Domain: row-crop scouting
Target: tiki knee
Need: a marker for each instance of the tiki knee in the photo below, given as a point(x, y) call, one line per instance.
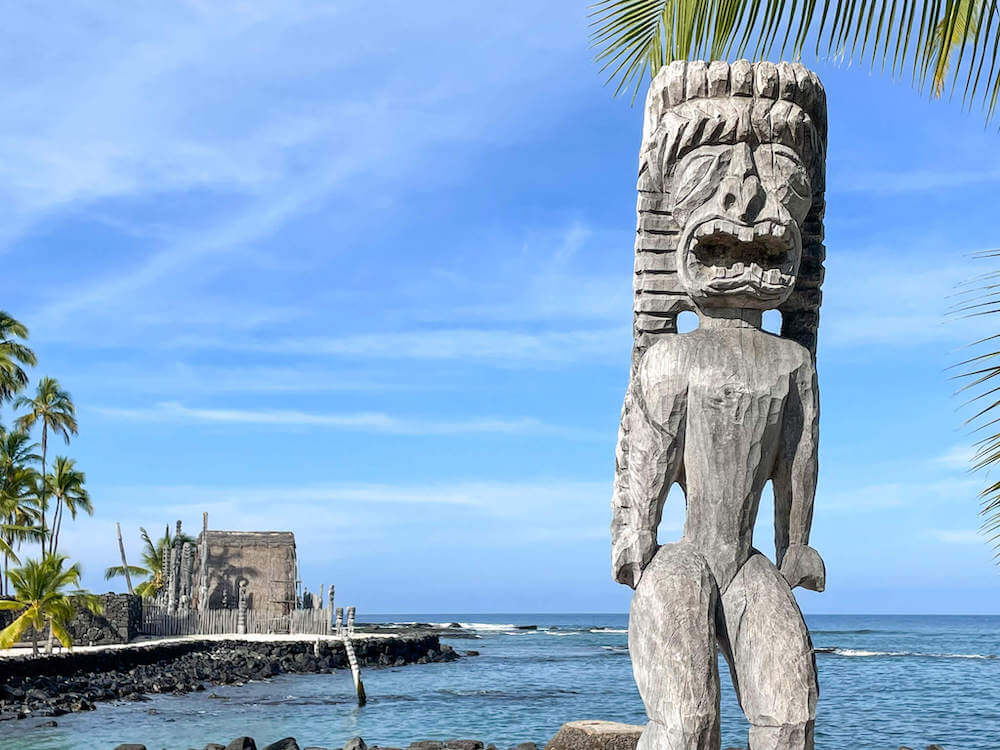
point(672, 641)
point(771, 652)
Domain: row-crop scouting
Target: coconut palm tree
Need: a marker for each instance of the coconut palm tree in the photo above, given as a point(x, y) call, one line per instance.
point(152, 563)
point(53, 408)
point(940, 44)
point(66, 485)
point(14, 356)
point(40, 589)
point(19, 495)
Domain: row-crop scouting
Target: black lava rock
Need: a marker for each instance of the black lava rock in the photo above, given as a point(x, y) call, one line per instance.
point(288, 743)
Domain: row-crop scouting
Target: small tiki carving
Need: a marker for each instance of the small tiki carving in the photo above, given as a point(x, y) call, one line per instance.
point(730, 210)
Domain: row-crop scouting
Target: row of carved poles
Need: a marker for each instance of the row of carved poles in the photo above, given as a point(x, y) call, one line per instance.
point(177, 569)
point(158, 620)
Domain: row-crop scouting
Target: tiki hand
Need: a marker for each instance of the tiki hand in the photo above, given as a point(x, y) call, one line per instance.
point(629, 574)
point(802, 566)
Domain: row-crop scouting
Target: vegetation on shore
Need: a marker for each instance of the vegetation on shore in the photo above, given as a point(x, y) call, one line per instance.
point(152, 563)
point(44, 589)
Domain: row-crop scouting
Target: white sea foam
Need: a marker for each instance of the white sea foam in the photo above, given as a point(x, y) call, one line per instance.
point(492, 627)
point(862, 652)
point(608, 630)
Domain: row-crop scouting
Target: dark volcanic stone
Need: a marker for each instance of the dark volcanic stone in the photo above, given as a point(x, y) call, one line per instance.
point(288, 743)
point(130, 746)
point(47, 724)
point(242, 743)
point(355, 743)
point(463, 745)
point(214, 746)
point(595, 735)
point(525, 746)
point(426, 745)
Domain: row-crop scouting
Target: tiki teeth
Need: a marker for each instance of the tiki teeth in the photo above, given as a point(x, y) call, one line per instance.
point(738, 268)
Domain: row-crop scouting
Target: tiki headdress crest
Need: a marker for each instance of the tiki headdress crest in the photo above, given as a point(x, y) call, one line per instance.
point(731, 195)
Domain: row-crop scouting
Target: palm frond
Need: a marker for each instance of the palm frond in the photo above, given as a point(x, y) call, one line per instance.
point(13, 632)
point(977, 375)
point(118, 571)
point(942, 45)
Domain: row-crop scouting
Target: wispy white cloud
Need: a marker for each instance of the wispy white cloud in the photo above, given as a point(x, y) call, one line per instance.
point(860, 308)
point(956, 457)
point(959, 536)
point(903, 182)
point(192, 378)
point(498, 346)
point(363, 421)
point(875, 497)
point(494, 496)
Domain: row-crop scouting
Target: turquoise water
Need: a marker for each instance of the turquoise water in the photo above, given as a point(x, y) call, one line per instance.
point(889, 681)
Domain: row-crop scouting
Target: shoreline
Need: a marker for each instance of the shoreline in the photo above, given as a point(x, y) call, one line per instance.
point(49, 686)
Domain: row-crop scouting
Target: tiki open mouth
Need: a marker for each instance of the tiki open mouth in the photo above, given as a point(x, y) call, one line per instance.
point(727, 258)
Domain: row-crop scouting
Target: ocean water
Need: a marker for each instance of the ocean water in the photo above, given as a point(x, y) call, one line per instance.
point(885, 681)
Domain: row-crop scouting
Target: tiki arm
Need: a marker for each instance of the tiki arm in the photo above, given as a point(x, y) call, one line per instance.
point(647, 462)
point(795, 484)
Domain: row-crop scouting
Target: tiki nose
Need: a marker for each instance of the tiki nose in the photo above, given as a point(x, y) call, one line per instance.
point(741, 190)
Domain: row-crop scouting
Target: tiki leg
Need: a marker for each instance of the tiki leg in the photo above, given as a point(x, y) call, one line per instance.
point(771, 656)
point(673, 648)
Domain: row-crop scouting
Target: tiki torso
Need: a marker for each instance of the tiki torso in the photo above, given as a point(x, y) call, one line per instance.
point(732, 385)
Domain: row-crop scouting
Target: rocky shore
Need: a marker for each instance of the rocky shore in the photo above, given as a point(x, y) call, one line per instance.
point(55, 685)
point(601, 735)
point(289, 743)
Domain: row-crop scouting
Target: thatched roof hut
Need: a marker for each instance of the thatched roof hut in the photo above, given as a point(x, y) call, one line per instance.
point(265, 559)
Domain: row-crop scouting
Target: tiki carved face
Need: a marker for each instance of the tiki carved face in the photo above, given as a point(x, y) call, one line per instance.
point(740, 206)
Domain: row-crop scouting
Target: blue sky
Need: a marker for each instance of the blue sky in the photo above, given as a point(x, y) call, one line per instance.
point(367, 277)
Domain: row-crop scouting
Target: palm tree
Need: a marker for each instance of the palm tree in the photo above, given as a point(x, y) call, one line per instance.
point(941, 44)
point(40, 589)
point(53, 407)
point(13, 354)
point(66, 485)
point(152, 563)
point(19, 494)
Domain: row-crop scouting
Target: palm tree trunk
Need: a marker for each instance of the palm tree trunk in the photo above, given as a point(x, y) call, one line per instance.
point(56, 526)
point(48, 640)
point(34, 642)
point(45, 436)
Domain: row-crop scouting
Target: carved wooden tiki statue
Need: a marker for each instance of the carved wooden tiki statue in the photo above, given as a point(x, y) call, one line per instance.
point(730, 210)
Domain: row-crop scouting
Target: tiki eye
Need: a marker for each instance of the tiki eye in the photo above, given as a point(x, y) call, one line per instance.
point(782, 172)
point(692, 175)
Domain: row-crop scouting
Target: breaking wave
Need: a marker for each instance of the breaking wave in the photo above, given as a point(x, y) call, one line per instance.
point(887, 654)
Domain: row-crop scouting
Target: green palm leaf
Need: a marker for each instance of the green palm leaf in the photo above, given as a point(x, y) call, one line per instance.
point(946, 50)
point(979, 376)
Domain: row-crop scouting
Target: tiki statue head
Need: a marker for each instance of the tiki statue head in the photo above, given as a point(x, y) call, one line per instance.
point(731, 183)
point(740, 206)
